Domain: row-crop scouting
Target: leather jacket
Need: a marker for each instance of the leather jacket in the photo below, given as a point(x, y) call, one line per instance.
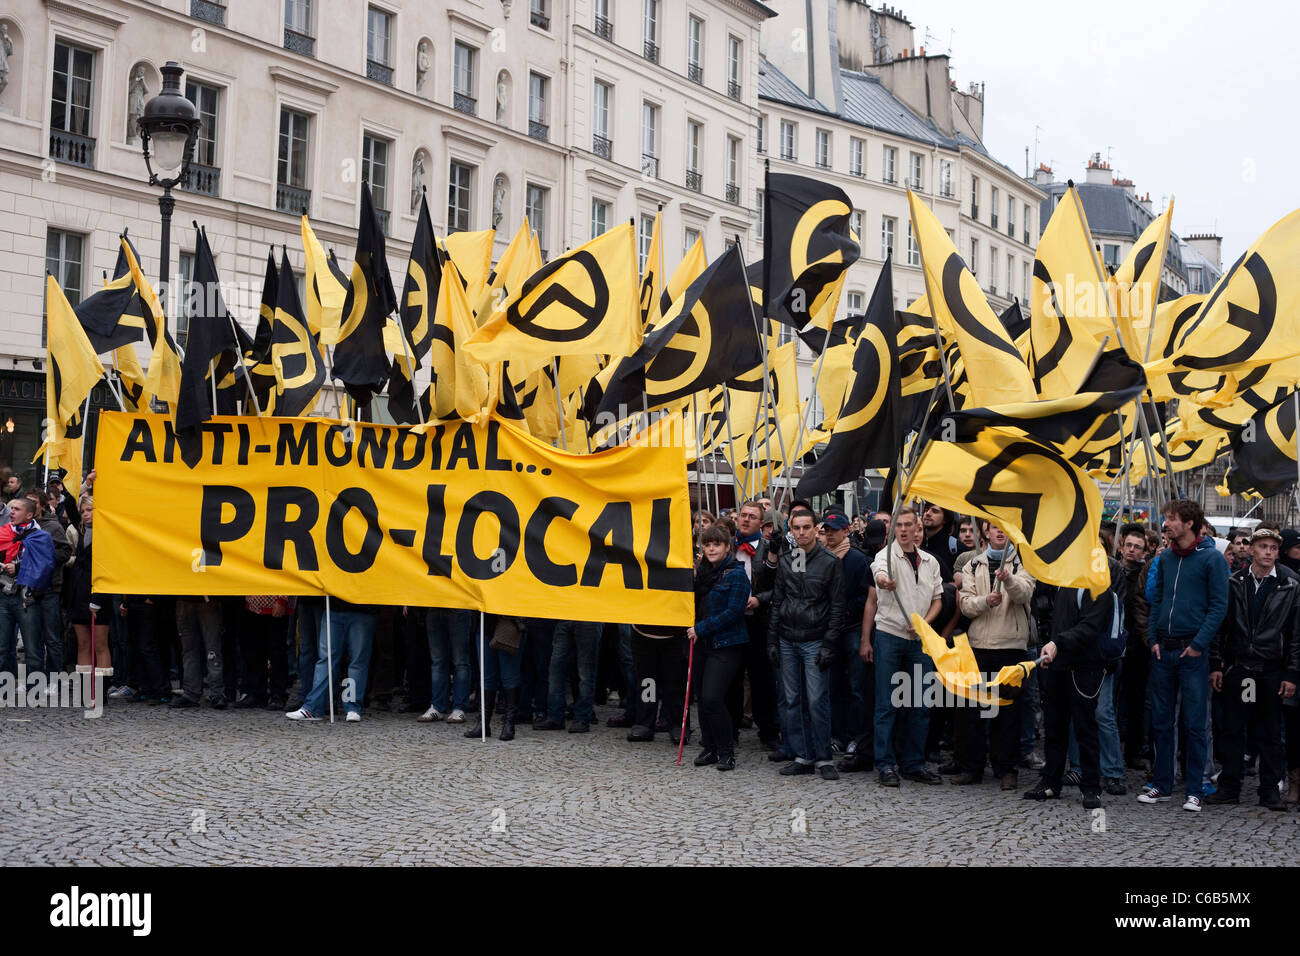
point(1273, 643)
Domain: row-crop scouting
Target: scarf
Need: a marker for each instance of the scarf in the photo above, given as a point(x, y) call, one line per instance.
point(841, 549)
point(707, 574)
point(748, 543)
point(1184, 553)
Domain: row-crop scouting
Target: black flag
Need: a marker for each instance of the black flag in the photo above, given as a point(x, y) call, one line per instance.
point(113, 316)
point(295, 356)
point(419, 298)
point(807, 245)
point(360, 359)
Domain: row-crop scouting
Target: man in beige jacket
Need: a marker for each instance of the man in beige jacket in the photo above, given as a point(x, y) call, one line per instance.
point(995, 595)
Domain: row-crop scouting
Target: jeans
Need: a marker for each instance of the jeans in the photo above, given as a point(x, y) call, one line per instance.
point(897, 655)
point(351, 633)
point(1171, 676)
point(805, 685)
point(1108, 742)
point(43, 642)
point(1069, 701)
point(535, 679)
point(199, 624)
point(628, 669)
point(451, 641)
point(500, 669)
point(582, 638)
point(1263, 715)
point(15, 617)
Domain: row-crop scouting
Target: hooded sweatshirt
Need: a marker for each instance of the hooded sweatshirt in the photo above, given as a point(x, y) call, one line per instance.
point(1188, 595)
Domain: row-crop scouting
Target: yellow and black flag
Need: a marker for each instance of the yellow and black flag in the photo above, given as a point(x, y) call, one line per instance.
point(868, 429)
point(299, 369)
point(1264, 458)
point(163, 380)
point(325, 287)
point(807, 245)
point(704, 338)
point(584, 301)
point(360, 358)
point(1135, 287)
point(460, 384)
point(651, 289)
point(114, 316)
point(71, 371)
point(993, 365)
point(257, 358)
point(419, 296)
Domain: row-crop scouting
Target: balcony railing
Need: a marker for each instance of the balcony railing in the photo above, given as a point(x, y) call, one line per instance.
point(694, 180)
point(538, 130)
point(946, 190)
point(733, 193)
point(650, 165)
point(464, 103)
point(993, 220)
point(296, 42)
point(857, 171)
point(292, 200)
point(1026, 239)
point(72, 148)
point(538, 19)
point(916, 185)
point(1011, 229)
point(733, 89)
point(651, 51)
point(975, 212)
point(604, 29)
point(889, 179)
point(602, 146)
point(695, 73)
point(205, 180)
point(380, 72)
point(823, 162)
point(208, 11)
point(383, 215)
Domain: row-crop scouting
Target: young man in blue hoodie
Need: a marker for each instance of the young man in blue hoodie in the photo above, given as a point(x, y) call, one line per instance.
point(1188, 594)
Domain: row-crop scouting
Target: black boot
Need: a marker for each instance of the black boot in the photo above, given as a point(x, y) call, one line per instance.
point(478, 730)
point(508, 717)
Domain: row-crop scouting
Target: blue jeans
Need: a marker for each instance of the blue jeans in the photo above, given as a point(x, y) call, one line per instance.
point(452, 639)
point(43, 643)
point(897, 655)
point(1172, 675)
point(500, 670)
point(13, 617)
point(1029, 707)
point(630, 688)
point(1108, 742)
point(351, 632)
point(582, 638)
point(805, 685)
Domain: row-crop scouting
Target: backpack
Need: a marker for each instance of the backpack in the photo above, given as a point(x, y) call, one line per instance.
point(1112, 645)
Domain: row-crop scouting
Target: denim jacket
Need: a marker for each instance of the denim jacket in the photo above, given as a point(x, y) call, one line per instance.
point(722, 611)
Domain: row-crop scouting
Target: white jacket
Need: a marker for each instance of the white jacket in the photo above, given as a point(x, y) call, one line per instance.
point(916, 589)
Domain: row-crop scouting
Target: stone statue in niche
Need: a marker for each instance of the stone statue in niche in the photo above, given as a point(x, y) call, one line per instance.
point(135, 105)
point(421, 65)
point(417, 182)
point(505, 8)
point(6, 51)
point(503, 97)
point(498, 199)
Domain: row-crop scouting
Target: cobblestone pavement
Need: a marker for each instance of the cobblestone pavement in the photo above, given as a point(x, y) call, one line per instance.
point(144, 785)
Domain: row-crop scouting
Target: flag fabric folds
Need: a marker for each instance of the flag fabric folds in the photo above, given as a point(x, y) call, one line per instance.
point(959, 672)
point(71, 371)
point(295, 356)
point(1266, 463)
point(807, 245)
point(360, 359)
point(325, 288)
point(113, 316)
point(419, 296)
point(163, 380)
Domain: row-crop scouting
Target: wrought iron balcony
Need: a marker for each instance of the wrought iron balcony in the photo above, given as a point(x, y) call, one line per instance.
point(296, 42)
point(733, 193)
point(889, 179)
point(993, 220)
point(975, 212)
point(823, 162)
point(694, 180)
point(733, 89)
point(72, 148)
point(539, 130)
point(463, 103)
point(1011, 229)
point(602, 146)
point(292, 200)
point(538, 19)
point(695, 73)
point(208, 11)
point(651, 51)
point(650, 165)
point(604, 29)
point(205, 180)
point(379, 72)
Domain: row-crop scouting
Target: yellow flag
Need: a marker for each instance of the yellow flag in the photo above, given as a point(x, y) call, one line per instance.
point(164, 378)
point(472, 253)
point(995, 369)
point(460, 383)
point(132, 377)
point(72, 367)
point(511, 270)
point(324, 290)
point(1135, 286)
point(958, 671)
point(652, 277)
point(582, 302)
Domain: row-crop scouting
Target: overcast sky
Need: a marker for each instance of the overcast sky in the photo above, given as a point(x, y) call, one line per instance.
point(1192, 99)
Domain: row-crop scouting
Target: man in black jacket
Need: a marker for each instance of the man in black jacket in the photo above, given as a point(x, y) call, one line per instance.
point(1255, 665)
point(1137, 656)
point(1070, 680)
point(847, 713)
point(804, 625)
point(751, 552)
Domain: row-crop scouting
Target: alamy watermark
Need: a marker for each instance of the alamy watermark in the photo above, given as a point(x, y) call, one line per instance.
point(43, 691)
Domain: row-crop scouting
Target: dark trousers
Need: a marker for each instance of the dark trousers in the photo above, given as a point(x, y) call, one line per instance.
point(419, 679)
point(721, 666)
point(142, 625)
point(662, 662)
point(981, 732)
point(762, 682)
point(261, 642)
point(1263, 715)
point(383, 658)
point(1070, 697)
point(536, 671)
point(1133, 691)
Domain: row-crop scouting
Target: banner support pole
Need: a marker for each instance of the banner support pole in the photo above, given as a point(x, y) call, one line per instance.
point(482, 682)
point(329, 656)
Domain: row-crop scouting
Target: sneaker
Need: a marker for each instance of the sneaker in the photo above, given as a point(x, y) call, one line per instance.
point(1115, 786)
point(1071, 779)
point(1153, 795)
point(727, 763)
point(121, 693)
point(431, 716)
point(1092, 800)
point(353, 717)
point(1032, 762)
point(794, 769)
point(1222, 796)
point(302, 713)
point(827, 772)
point(1193, 804)
point(1041, 791)
point(922, 776)
point(216, 702)
point(706, 757)
point(457, 716)
point(182, 701)
point(244, 701)
point(889, 778)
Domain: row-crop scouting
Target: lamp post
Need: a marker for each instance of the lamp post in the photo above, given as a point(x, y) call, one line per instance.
point(171, 123)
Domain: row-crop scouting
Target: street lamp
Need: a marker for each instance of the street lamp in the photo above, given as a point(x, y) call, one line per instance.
point(171, 123)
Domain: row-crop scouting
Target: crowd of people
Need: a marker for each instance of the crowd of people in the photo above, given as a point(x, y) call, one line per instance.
point(804, 634)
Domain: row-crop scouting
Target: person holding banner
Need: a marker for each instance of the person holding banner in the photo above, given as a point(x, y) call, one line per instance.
point(451, 641)
point(721, 595)
point(500, 663)
point(348, 630)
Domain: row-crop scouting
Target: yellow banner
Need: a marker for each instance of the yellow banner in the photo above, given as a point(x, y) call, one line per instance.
point(462, 515)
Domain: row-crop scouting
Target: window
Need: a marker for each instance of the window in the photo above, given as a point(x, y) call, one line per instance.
point(824, 149)
point(538, 113)
point(762, 133)
point(694, 137)
point(601, 145)
point(975, 198)
point(1024, 280)
point(645, 235)
point(787, 140)
point(1110, 254)
point(760, 212)
point(650, 29)
point(945, 178)
point(993, 206)
point(600, 213)
point(650, 139)
point(1024, 222)
point(1011, 265)
point(993, 269)
point(734, 56)
point(856, 149)
point(460, 197)
point(888, 229)
point(854, 303)
point(888, 174)
point(374, 171)
point(379, 44)
point(297, 27)
point(538, 15)
point(1011, 223)
point(856, 220)
point(294, 131)
point(913, 248)
point(694, 49)
point(689, 238)
point(180, 304)
point(604, 26)
point(464, 68)
point(973, 265)
point(63, 261)
point(535, 198)
point(205, 98)
point(916, 174)
point(733, 169)
point(70, 102)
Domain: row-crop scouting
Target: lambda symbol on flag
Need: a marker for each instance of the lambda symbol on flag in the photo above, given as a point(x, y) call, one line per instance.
point(557, 294)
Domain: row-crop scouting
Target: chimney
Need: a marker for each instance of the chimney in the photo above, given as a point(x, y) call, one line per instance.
point(1145, 202)
point(1208, 245)
point(1043, 175)
point(1127, 184)
point(1097, 171)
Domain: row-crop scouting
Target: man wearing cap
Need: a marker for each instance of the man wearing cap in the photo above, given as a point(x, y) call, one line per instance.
point(847, 716)
point(1255, 665)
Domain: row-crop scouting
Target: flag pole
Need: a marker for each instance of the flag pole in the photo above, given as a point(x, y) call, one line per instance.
point(248, 380)
point(482, 683)
point(586, 431)
point(410, 361)
point(212, 378)
point(329, 656)
point(731, 441)
point(109, 381)
point(762, 402)
point(85, 412)
point(559, 407)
